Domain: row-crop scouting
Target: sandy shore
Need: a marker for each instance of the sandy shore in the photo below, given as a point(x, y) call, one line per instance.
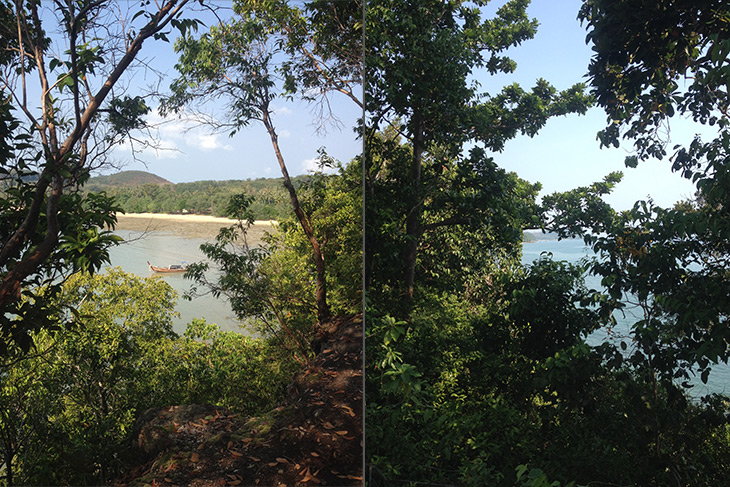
point(191, 226)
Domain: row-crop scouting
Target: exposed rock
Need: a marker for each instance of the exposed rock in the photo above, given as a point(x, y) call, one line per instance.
point(156, 429)
point(314, 437)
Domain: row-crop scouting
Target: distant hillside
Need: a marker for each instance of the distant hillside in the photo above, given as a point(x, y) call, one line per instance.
point(124, 179)
point(139, 192)
point(529, 236)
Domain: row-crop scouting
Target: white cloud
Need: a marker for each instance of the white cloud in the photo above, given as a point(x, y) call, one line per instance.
point(284, 134)
point(282, 111)
point(207, 142)
point(173, 131)
point(310, 165)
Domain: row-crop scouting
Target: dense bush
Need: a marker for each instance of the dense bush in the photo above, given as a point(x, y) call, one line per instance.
point(68, 407)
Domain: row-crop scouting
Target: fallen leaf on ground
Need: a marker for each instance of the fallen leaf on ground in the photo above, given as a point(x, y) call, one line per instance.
point(236, 454)
point(282, 460)
point(195, 457)
point(348, 409)
point(309, 477)
point(341, 433)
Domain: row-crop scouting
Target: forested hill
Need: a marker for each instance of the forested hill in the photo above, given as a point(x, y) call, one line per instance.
point(139, 192)
point(529, 236)
point(124, 179)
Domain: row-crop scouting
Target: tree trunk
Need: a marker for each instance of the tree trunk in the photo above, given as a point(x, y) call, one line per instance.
point(323, 311)
point(369, 212)
point(414, 229)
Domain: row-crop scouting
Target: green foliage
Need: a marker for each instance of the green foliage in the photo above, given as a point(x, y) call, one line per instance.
point(429, 101)
point(134, 195)
point(491, 386)
point(123, 179)
point(274, 284)
point(472, 217)
point(535, 477)
point(671, 263)
point(334, 203)
point(125, 114)
point(80, 241)
point(54, 90)
point(67, 409)
point(267, 285)
point(636, 69)
point(99, 363)
point(479, 371)
point(262, 53)
point(210, 366)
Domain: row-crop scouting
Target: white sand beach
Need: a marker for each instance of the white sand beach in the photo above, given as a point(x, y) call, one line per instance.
point(190, 218)
point(191, 226)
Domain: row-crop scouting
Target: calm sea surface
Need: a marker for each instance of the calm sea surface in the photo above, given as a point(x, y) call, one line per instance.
point(162, 250)
point(572, 250)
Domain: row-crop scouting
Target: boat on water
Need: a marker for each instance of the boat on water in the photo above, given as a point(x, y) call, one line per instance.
point(172, 268)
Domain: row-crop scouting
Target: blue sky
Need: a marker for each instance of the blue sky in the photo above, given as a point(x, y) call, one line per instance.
point(192, 153)
point(564, 155)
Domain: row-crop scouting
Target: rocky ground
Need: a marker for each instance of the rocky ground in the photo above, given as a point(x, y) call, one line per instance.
point(314, 437)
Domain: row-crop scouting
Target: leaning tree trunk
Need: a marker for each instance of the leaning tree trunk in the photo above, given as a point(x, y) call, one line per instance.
point(323, 311)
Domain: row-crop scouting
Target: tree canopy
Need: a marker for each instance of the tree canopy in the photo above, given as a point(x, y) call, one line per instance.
point(487, 375)
point(267, 51)
point(61, 113)
point(418, 63)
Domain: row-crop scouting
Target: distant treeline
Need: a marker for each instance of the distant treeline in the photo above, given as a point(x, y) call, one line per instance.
point(530, 236)
point(271, 201)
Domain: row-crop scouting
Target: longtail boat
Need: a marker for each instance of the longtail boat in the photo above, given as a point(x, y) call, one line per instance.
point(172, 268)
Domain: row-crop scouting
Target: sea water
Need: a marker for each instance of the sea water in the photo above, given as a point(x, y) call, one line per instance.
point(162, 250)
point(572, 250)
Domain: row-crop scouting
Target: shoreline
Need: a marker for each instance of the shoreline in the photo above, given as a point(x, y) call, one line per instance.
point(190, 226)
point(192, 218)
